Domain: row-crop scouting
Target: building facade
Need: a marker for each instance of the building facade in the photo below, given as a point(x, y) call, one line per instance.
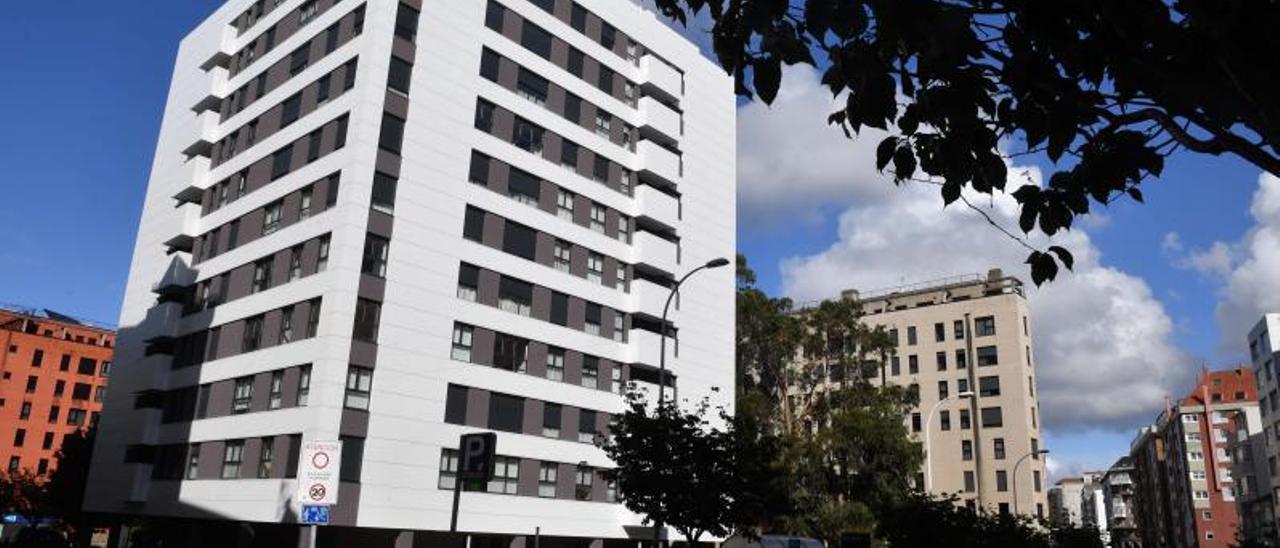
point(1259, 519)
point(969, 334)
point(1118, 491)
point(1185, 489)
point(1248, 451)
point(399, 221)
point(53, 378)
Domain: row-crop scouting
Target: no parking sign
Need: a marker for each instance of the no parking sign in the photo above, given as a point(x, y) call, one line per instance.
point(318, 472)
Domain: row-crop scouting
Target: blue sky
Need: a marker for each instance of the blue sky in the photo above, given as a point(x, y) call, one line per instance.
point(84, 91)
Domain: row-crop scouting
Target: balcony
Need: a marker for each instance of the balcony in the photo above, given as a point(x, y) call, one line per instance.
point(219, 58)
point(645, 347)
point(661, 80)
point(657, 206)
point(180, 243)
point(654, 251)
point(208, 102)
point(648, 297)
point(658, 164)
point(659, 121)
point(206, 125)
point(189, 194)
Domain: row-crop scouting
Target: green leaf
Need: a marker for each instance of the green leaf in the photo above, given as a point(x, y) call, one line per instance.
point(1043, 267)
point(950, 192)
point(884, 152)
point(1135, 194)
point(904, 163)
point(1063, 255)
point(767, 78)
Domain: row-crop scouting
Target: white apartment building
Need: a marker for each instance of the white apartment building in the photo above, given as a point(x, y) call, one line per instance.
point(392, 222)
point(967, 335)
point(1261, 507)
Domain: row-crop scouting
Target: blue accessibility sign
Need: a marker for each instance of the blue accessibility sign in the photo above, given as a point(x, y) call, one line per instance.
point(315, 514)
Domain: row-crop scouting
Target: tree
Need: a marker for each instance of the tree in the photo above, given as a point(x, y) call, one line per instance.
point(767, 339)
point(1105, 90)
point(673, 467)
point(65, 487)
point(919, 521)
point(21, 494)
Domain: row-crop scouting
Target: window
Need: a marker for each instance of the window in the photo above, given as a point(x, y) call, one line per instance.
point(280, 162)
point(468, 282)
point(895, 366)
point(493, 16)
point(551, 413)
point(47, 443)
point(619, 329)
point(586, 426)
point(37, 358)
point(275, 399)
point(915, 422)
point(562, 256)
point(590, 371)
point(232, 457)
point(987, 356)
point(484, 116)
point(80, 391)
point(489, 64)
point(510, 352)
point(1035, 480)
point(506, 475)
point(75, 417)
point(193, 461)
point(261, 275)
point(547, 472)
point(252, 334)
point(555, 364)
point(964, 419)
point(87, 366)
point(398, 75)
point(939, 332)
point(359, 386)
point(943, 391)
point(313, 146)
point(449, 461)
point(32, 382)
point(624, 229)
point(506, 413)
point(911, 335)
point(99, 393)
point(564, 205)
point(352, 458)
point(384, 193)
point(604, 79)
point(519, 240)
point(941, 359)
point(1002, 481)
point(242, 395)
point(366, 321)
point(573, 108)
point(461, 343)
point(595, 267)
point(298, 59)
point(306, 12)
point(473, 224)
point(583, 483)
point(531, 86)
point(375, 256)
point(313, 308)
point(970, 483)
point(966, 449)
point(264, 457)
point(455, 405)
point(524, 187)
point(25, 412)
point(19, 437)
point(515, 296)
point(598, 217)
point(944, 420)
point(392, 134)
point(913, 364)
point(604, 123)
point(295, 263)
point(578, 18)
point(984, 326)
point(559, 308)
point(536, 40)
point(998, 448)
point(992, 417)
point(960, 361)
point(569, 154)
point(407, 22)
point(290, 111)
point(591, 325)
point(988, 386)
point(528, 136)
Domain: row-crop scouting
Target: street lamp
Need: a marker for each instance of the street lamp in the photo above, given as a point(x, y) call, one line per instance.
point(662, 358)
point(662, 355)
point(928, 426)
point(1015, 475)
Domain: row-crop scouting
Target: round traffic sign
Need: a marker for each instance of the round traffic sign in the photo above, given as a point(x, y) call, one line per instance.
point(316, 492)
point(320, 460)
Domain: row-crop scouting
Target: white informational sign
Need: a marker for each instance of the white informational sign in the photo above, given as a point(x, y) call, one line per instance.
point(318, 467)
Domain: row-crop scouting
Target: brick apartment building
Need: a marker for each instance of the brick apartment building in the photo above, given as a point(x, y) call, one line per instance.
point(53, 375)
point(1185, 489)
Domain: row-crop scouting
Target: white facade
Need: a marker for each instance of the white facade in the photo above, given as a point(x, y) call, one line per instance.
point(684, 102)
point(1259, 511)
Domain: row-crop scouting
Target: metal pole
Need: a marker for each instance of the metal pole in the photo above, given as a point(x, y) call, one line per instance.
point(662, 361)
point(314, 528)
point(457, 495)
point(1015, 476)
point(537, 537)
point(928, 427)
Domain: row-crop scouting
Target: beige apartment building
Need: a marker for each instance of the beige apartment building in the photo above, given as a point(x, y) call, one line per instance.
point(965, 344)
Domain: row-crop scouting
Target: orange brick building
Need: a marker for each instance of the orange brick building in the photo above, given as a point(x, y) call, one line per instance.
point(53, 376)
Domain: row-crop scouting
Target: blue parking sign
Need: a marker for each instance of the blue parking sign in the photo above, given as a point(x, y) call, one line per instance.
point(315, 514)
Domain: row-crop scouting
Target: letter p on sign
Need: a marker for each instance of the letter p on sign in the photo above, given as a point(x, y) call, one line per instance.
point(475, 452)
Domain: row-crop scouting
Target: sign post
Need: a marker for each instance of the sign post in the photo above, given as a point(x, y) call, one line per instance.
point(318, 466)
point(475, 463)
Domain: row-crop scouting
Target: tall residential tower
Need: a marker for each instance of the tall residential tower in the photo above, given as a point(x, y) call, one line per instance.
point(392, 222)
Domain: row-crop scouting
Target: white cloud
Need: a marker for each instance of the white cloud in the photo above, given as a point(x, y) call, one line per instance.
point(1103, 342)
point(1251, 281)
point(1171, 244)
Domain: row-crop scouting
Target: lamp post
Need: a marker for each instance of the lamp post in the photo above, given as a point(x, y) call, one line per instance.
point(662, 359)
point(1015, 475)
point(928, 427)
